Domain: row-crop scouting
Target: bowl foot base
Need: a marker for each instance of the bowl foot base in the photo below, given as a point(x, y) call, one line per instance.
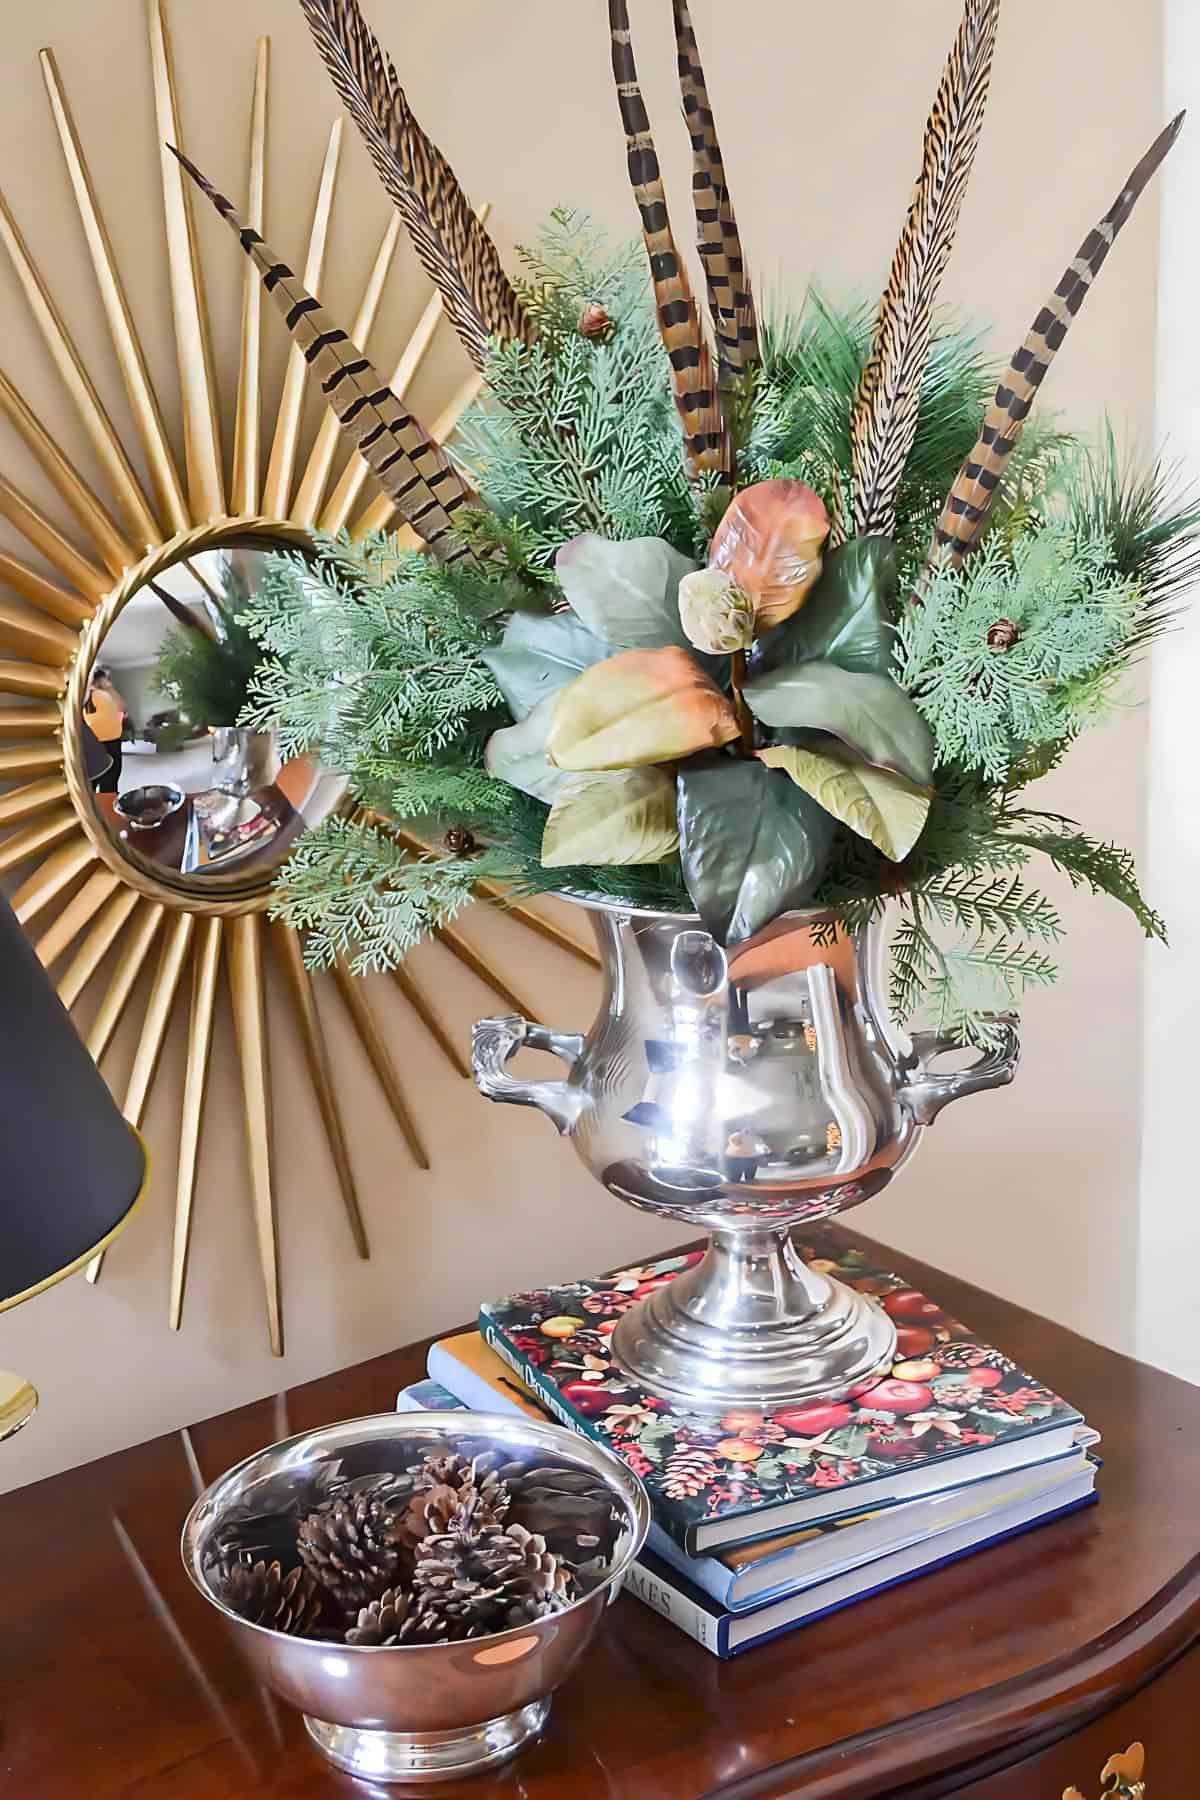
point(428, 1755)
point(751, 1325)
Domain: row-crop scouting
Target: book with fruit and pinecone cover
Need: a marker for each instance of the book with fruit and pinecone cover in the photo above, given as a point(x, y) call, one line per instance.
point(953, 1410)
point(465, 1373)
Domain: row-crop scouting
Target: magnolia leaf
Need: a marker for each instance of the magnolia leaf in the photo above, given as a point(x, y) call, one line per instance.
point(626, 592)
point(518, 754)
point(752, 844)
point(538, 655)
point(876, 803)
point(623, 816)
point(869, 713)
point(642, 706)
point(847, 619)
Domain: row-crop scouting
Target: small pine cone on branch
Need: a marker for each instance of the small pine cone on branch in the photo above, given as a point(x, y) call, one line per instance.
point(687, 1473)
point(350, 1545)
point(384, 1621)
point(263, 1594)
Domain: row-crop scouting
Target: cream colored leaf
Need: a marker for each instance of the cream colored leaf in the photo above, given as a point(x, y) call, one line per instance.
point(640, 707)
point(623, 816)
point(876, 803)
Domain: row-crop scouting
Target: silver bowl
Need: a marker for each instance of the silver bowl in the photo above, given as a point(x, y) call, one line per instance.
point(414, 1712)
point(146, 808)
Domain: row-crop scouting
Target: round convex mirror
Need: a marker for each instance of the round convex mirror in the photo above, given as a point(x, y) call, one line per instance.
point(182, 789)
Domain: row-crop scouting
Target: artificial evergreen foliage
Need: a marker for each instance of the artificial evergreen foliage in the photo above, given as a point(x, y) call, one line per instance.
point(373, 659)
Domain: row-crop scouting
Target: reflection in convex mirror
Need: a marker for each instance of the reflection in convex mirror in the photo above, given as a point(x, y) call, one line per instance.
point(179, 783)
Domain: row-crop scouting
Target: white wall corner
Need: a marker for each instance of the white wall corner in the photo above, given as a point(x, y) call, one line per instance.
point(1168, 1310)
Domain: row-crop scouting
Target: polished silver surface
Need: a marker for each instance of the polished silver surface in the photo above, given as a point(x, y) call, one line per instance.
point(747, 1093)
point(414, 1712)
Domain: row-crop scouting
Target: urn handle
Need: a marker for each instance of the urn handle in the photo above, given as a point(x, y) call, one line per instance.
point(494, 1041)
point(925, 1093)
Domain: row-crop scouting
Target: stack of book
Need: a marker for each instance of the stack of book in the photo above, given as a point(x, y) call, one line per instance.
point(764, 1521)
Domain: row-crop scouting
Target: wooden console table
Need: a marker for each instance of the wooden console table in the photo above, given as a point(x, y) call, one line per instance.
point(1013, 1675)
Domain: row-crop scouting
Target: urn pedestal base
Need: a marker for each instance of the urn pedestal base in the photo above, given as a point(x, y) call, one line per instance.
point(752, 1325)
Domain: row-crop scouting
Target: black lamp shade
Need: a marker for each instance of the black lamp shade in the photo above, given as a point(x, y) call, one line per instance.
point(71, 1170)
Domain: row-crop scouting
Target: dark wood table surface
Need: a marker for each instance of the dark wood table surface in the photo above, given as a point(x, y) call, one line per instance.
point(117, 1679)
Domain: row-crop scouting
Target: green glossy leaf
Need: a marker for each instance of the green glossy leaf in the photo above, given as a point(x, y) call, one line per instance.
point(642, 706)
point(751, 843)
point(847, 619)
point(626, 816)
point(878, 804)
point(869, 713)
point(625, 591)
point(518, 754)
point(538, 655)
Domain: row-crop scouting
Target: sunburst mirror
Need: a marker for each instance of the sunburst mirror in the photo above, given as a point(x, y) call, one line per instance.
point(140, 824)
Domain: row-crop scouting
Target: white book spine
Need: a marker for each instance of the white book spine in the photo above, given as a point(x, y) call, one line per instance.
point(682, 1612)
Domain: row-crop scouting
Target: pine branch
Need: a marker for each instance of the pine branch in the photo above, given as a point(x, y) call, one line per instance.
point(1102, 868)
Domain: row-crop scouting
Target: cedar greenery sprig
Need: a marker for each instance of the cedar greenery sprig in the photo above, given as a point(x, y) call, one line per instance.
point(374, 659)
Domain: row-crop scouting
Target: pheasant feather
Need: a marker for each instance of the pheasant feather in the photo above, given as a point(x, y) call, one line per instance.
point(457, 253)
point(730, 300)
point(706, 441)
point(970, 499)
point(883, 423)
point(413, 471)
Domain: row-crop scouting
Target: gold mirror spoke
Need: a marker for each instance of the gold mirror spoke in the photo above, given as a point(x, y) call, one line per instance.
point(147, 417)
point(205, 967)
point(57, 872)
point(281, 468)
point(96, 945)
point(131, 502)
point(115, 551)
point(201, 429)
point(290, 953)
point(43, 640)
point(21, 802)
point(483, 970)
point(29, 678)
point(36, 719)
point(79, 910)
point(27, 759)
point(371, 1039)
point(44, 535)
point(154, 1030)
point(250, 1029)
point(134, 951)
point(46, 595)
point(32, 839)
point(414, 994)
point(247, 446)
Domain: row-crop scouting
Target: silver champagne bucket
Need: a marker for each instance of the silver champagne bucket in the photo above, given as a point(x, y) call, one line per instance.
point(742, 1092)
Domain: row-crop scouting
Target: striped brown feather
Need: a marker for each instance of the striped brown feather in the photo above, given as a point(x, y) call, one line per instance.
point(729, 297)
point(970, 500)
point(706, 441)
point(454, 247)
point(884, 420)
point(414, 473)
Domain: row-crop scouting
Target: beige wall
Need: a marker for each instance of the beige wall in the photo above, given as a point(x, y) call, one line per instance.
point(821, 109)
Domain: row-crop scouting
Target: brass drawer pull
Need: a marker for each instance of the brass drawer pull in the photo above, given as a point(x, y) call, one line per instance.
point(1120, 1778)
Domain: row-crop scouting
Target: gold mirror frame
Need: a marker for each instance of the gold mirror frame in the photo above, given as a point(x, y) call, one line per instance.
point(112, 913)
